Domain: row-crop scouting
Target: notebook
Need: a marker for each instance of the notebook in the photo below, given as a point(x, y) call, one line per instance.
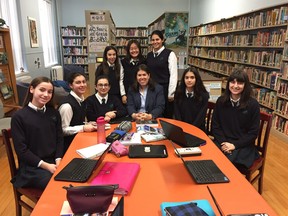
point(122, 173)
point(80, 169)
point(177, 135)
point(147, 151)
point(203, 171)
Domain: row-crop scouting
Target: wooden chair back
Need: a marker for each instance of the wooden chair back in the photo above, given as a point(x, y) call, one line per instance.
point(32, 193)
point(210, 108)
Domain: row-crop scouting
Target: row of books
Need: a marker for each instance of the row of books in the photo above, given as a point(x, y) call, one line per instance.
point(282, 88)
point(282, 107)
point(132, 32)
point(273, 38)
point(73, 31)
point(75, 60)
point(273, 17)
point(74, 51)
point(262, 77)
point(124, 41)
point(261, 58)
point(74, 42)
point(266, 97)
point(280, 124)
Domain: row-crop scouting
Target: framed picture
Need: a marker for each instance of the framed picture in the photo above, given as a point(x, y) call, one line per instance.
point(33, 32)
point(1, 42)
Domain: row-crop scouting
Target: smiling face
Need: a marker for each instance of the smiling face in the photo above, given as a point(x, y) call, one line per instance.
point(42, 94)
point(111, 56)
point(189, 80)
point(156, 42)
point(102, 87)
point(134, 51)
point(79, 85)
point(236, 88)
point(142, 78)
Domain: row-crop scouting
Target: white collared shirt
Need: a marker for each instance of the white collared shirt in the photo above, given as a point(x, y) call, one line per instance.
point(99, 98)
point(172, 65)
point(66, 113)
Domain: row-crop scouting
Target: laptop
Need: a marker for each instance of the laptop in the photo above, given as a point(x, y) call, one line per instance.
point(177, 135)
point(203, 171)
point(80, 169)
point(147, 151)
point(119, 209)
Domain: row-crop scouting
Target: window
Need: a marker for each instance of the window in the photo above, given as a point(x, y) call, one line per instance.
point(8, 12)
point(47, 26)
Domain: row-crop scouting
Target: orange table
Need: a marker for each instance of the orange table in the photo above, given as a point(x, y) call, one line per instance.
point(164, 179)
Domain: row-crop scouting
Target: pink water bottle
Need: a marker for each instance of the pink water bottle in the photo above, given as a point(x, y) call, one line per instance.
point(101, 135)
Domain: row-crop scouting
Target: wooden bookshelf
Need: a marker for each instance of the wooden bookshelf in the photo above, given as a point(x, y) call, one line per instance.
point(124, 34)
point(74, 46)
point(8, 90)
point(256, 41)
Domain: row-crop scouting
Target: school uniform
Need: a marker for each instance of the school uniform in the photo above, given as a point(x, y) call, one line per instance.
point(113, 79)
point(163, 67)
point(190, 110)
point(239, 126)
point(37, 137)
point(97, 108)
point(75, 123)
point(130, 68)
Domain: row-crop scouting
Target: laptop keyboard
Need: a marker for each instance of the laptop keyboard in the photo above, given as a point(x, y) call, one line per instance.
point(78, 170)
point(205, 171)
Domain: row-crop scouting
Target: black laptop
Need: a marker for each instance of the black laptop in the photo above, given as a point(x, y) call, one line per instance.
point(177, 135)
point(203, 171)
point(147, 151)
point(80, 169)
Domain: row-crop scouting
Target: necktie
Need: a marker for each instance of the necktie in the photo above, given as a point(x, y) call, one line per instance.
point(189, 95)
point(155, 55)
point(40, 110)
point(103, 100)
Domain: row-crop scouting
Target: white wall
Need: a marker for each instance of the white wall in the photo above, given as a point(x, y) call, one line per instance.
point(125, 13)
point(212, 10)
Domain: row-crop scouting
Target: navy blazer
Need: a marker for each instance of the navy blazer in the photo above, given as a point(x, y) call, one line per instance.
point(154, 104)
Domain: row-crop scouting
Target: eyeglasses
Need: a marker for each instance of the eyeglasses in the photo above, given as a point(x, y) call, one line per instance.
point(103, 85)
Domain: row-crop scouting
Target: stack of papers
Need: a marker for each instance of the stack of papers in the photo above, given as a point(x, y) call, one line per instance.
point(92, 151)
point(131, 138)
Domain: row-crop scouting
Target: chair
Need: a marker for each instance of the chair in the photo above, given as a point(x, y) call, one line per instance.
point(261, 144)
point(31, 193)
point(210, 108)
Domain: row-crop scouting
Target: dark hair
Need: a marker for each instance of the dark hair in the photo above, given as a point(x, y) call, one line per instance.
point(151, 83)
point(101, 77)
point(198, 88)
point(239, 75)
point(34, 83)
point(105, 62)
point(129, 44)
point(159, 33)
point(73, 75)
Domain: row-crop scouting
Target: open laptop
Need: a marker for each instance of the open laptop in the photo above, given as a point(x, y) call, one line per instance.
point(177, 135)
point(147, 151)
point(80, 169)
point(203, 171)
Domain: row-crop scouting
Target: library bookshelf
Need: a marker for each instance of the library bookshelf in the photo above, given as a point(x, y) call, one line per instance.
point(124, 34)
point(256, 41)
point(8, 90)
point(74, 46)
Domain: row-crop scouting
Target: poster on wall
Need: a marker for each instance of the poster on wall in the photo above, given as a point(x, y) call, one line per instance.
point(176, 30)
point(98, 36)
point(33, 32)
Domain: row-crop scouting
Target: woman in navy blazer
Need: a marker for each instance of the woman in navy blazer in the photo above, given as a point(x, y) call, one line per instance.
point(145, 99)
